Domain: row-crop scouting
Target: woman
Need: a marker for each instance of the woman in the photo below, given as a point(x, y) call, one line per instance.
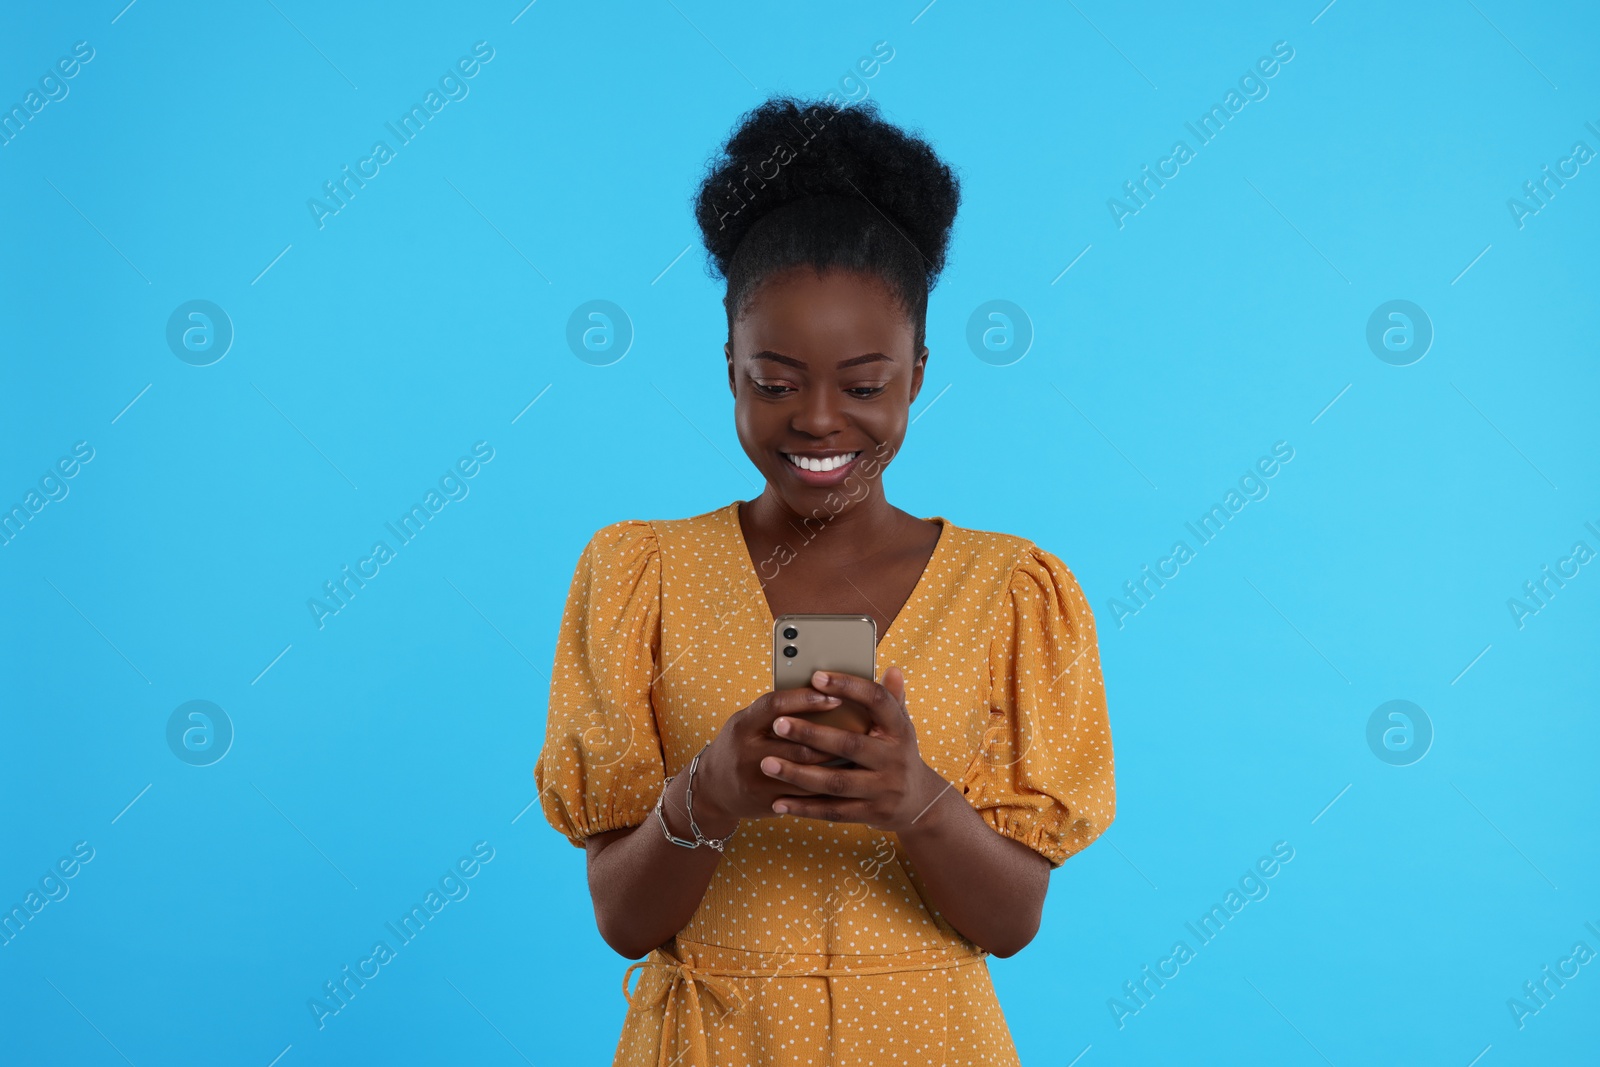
point(792, 913)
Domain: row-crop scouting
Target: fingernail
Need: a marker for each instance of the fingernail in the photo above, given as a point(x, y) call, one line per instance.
point(770, 765)
point(781, 809)
point(820, 678)
point(781, 726)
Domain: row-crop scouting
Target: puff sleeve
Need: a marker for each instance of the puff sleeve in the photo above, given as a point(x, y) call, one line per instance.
point(1043, 774)
point(601, 765)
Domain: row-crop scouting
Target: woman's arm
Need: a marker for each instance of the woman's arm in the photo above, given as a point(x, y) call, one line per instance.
point(989, 887)
point(645, 888)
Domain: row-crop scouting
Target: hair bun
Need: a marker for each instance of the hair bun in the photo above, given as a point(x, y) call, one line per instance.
point(787, 150)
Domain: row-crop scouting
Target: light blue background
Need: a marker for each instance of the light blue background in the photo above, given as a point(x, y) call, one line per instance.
point(428, 313)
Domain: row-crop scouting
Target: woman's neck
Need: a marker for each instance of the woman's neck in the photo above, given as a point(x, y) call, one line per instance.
point(859, 530)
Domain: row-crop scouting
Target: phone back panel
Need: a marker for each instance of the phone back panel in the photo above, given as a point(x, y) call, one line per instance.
point(844, 643)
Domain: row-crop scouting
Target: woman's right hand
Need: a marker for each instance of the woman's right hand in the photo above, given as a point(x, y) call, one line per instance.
point(729, 784)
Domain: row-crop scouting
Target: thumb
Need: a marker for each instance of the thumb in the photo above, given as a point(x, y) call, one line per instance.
point(894, 680)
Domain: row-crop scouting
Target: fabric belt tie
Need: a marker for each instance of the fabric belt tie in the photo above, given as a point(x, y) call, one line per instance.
point(687, 979)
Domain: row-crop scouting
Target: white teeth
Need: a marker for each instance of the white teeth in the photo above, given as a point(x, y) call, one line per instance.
point(819, 465)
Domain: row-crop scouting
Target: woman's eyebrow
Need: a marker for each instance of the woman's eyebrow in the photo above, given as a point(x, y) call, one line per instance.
point(870, 357)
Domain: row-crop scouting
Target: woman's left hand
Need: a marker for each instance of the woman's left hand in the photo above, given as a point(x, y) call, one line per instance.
point(889, 788)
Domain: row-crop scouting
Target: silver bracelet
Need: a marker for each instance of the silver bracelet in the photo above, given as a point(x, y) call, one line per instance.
point(685, 842)
point(688, 803)
point(688, 800)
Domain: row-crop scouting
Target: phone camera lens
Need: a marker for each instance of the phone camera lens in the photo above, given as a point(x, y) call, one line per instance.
point(790, 633)
point(790, 651)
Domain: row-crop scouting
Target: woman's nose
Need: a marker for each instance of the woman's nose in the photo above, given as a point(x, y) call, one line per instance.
point(819, 413)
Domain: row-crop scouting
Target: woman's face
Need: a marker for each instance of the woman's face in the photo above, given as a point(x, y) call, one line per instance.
point(822, 369)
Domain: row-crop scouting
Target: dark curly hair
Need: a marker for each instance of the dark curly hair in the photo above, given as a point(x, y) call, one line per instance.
point(813, 184)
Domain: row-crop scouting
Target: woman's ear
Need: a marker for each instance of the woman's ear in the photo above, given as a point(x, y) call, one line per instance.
point(727, 350)
point(917, 367)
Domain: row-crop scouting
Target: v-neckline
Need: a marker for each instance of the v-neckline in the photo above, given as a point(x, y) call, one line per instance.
point(751, 575)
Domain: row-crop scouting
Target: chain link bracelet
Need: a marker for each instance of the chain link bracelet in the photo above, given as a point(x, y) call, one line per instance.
point(688, 801)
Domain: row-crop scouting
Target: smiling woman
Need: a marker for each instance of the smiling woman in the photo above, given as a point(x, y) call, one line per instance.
point(987, 762)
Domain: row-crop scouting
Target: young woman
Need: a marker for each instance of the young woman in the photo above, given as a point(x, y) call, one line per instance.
point(795, 913)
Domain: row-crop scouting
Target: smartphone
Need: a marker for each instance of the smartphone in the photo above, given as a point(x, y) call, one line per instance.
point(805, 644)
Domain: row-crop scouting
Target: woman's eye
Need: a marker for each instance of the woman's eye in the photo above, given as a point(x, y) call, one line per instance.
point(860, 392)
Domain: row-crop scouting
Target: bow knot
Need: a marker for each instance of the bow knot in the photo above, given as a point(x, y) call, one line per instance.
point(685, 981)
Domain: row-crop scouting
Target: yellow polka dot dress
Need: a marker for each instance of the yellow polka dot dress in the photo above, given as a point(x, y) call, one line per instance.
point(816, 944)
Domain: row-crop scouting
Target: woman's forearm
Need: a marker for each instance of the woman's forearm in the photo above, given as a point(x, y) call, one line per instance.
point(988, 886)
point(645, 888)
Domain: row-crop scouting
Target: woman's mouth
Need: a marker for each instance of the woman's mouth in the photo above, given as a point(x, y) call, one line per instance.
point(830, 469)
